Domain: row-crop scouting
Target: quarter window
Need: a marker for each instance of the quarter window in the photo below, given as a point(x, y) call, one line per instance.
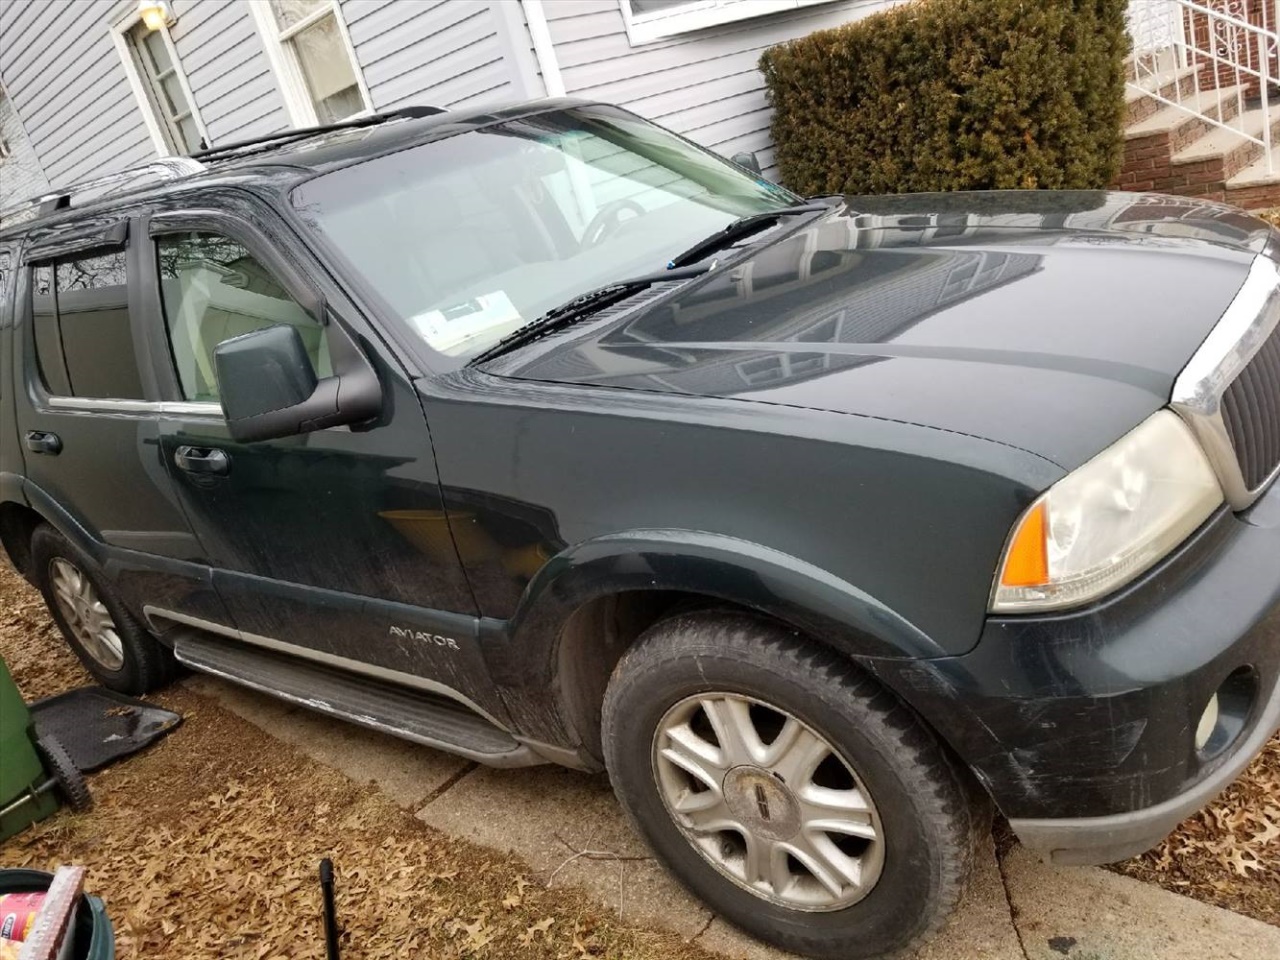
point(308, 46)
point(213, 289)
point(84, 341)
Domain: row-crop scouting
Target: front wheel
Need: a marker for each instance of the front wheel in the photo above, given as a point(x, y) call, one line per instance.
point(798, 798)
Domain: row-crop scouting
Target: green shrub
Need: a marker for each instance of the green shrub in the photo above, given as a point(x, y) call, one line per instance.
point(953, 95)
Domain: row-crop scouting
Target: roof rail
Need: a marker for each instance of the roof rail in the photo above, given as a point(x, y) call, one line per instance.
point(281, 137)
point(165, 168)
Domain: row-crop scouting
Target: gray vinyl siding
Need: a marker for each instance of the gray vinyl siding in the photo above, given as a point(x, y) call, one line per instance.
point(227, 69)
point(706, 85)
point(440, 52)
point(67, 83)
point(20, 174)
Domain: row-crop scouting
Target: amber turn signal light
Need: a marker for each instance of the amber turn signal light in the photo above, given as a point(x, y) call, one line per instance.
point(1027, 561)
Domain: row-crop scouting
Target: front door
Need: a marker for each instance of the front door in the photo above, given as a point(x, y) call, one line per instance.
point(331, 545)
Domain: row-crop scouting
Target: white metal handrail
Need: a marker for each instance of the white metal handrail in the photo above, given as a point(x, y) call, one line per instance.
point(1232, 46)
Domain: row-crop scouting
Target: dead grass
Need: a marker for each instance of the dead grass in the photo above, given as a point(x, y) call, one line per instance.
point(207, 845)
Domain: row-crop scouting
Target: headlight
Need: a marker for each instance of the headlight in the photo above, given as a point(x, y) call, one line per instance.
point(1104, 524)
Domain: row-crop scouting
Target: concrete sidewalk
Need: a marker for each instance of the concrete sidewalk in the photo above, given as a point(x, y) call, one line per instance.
point(569, 828)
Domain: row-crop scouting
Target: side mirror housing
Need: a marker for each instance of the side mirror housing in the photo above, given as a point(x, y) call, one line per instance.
point(268, 387)
point(747, 161)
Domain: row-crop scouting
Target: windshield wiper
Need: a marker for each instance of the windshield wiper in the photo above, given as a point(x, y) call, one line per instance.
point(740, 229)
point(585, 304)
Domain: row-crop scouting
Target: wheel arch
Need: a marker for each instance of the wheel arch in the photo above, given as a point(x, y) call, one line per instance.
point(590, 603)
point(23, 508)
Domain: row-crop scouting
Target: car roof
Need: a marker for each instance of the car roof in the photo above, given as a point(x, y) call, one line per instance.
point(291, 161)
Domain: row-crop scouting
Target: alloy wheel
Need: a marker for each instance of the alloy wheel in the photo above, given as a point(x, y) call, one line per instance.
point(86, 615)
point(768, 802)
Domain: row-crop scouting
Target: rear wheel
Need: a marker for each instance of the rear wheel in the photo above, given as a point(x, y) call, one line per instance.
point(796, 796)
point(109, 641)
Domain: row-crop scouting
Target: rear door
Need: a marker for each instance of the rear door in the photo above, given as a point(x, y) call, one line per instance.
point(332, 545)
point(88, 415)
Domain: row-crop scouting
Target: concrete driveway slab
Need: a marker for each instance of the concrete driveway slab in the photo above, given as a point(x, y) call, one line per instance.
point(548, 815)
point(980, 929)
point(568, 826)
point(1083, 913)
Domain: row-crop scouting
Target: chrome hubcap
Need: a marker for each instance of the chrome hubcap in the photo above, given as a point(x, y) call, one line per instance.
point(768, 802)
point(86, 614)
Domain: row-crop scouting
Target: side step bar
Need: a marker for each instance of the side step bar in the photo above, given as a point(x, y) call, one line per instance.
point(411, 714)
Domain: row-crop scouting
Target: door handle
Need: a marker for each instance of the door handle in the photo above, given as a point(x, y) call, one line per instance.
point(206, 460)
point(40, 441)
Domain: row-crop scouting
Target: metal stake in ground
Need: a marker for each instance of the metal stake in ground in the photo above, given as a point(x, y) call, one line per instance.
point(330, 914)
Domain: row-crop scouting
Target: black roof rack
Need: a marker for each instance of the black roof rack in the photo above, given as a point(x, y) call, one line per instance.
point(270, 141)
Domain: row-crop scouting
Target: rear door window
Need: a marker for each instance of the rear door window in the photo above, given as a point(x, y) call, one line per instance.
point(84, 339)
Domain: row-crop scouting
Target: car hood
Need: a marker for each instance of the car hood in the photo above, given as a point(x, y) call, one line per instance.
point(1053, 322)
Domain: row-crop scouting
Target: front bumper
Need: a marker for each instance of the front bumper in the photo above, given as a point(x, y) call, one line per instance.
point(1082, 725)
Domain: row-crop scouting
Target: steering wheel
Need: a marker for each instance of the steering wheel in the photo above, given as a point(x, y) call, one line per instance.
point(607, 221)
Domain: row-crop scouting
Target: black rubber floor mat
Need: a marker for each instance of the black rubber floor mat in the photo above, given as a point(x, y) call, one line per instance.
point(98, 726)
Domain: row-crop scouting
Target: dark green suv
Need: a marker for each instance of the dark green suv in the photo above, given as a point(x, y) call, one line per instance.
point(545, 435)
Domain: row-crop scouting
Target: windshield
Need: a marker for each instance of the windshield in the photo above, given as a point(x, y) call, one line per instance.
point(468, 238)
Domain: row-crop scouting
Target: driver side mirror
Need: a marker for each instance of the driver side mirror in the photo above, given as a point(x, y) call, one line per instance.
point(268, 387)
point(747, 161)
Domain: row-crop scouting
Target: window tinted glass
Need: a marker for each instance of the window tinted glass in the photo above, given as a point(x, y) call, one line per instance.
point(84, 342)
point(213, 289)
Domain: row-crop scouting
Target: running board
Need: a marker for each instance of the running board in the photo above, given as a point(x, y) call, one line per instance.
point(415, 715)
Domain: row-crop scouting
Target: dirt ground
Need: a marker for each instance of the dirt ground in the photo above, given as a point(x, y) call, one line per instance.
point(207, 845)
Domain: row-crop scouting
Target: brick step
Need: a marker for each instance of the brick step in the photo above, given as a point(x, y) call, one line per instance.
point(1254, 187)
point(1220, 154)
point(1170, 84)
point(1179, 127)
point(1170, 154)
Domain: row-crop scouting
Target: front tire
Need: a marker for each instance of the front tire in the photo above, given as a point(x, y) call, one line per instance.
point(793, 794)
point(108, 639)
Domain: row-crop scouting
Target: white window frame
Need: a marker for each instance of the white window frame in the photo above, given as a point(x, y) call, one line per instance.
point(284, 61)
point(699, 15)
point(138, 84)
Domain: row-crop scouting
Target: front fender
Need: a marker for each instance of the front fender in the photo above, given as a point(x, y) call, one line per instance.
point(713, 565)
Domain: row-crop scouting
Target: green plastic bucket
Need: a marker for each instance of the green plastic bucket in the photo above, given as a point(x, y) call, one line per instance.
point(94, 938)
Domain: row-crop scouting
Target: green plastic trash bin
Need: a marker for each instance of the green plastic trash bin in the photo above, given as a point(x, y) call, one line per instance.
point(32, 772)
point(94, 937)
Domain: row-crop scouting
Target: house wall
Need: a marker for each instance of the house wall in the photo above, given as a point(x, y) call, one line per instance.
point(706, 85)
point(67, 83)
point(20, 173)
point(446, 54)
point(231, 81)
